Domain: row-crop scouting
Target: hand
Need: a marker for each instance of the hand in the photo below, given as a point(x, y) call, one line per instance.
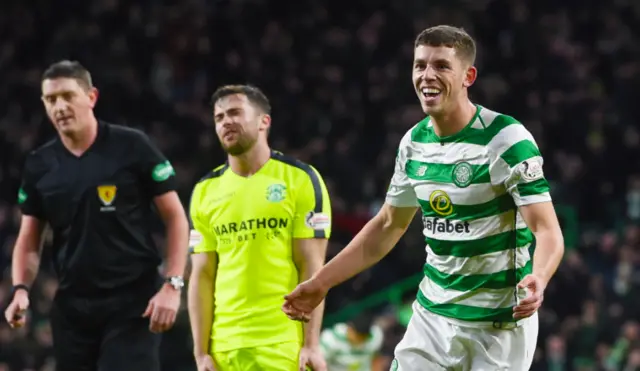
point(162, 309)
point(312, 357)
point(529, 305)
point(16, 313)
point(303, 300)
point(205, 363)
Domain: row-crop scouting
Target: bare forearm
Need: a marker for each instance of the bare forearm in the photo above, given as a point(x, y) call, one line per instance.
point(548, 254)
point(24, 265)
point(369, 246)
point(26, 253)
point(177, 251)
point(200, 303)
point(313, 327)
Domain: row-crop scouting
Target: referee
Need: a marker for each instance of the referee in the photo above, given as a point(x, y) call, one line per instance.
point(95, 185)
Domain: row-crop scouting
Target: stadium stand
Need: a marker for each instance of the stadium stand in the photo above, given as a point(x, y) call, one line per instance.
point(337, 73)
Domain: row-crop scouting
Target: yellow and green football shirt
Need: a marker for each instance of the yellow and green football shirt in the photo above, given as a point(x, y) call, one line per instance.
point(250, 223)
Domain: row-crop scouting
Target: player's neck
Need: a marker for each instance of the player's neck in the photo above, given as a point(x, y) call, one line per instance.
point(78, 143)
point(455, 120)
point(251, 161)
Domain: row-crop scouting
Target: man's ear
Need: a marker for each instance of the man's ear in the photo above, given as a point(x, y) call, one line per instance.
point(470, 76)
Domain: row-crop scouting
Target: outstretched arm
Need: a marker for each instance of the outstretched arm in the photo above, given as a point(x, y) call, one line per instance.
point(369, 246)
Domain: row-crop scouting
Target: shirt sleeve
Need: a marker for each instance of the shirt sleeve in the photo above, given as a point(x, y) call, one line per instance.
point(158, 174)
point(201, 240)
point(29, 199)
point(312, 217)
point(401, 192)
point(518, 164)
point(377, 338)
point(327, 344)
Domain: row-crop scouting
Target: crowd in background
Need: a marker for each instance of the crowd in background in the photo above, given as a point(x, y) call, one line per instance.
point(338, 76)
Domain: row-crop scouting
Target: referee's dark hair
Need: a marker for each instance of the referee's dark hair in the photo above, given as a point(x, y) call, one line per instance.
point(71, 70)
point(253, 94)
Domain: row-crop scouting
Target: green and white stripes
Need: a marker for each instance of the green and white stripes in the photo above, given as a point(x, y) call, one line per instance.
point(341, 355)
point(469, 187)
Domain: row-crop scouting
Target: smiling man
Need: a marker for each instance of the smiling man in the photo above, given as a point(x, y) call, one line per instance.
point(95, 185)
point(476, 176)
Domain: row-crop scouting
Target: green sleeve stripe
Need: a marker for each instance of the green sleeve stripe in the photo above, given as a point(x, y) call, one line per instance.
point(467, 312)
point(534, 188)
point(499, 280)
point(497, 206)
point(523, 150)
point(490, 244)
point(444, 173)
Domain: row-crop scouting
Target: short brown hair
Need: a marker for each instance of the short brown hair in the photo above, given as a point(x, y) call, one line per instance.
point(71, 70)
point(452, 37)
point(255, 96)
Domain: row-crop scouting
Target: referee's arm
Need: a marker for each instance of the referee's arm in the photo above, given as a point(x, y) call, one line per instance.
point(160, 182)
point(312, 229)
point(25, 260)
point(26, 253)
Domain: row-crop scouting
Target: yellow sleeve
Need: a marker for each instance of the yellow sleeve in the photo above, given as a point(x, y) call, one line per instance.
point(313, 208)
point(201, 239)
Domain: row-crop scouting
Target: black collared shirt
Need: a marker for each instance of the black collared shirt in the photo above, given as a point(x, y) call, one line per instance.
point(99, 206)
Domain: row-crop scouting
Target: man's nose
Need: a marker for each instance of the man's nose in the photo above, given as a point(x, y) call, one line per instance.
point(429, 73)
point(60, 106)
point(226, 122)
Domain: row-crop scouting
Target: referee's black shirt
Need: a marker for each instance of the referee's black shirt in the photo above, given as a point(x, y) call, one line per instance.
point(99, 206)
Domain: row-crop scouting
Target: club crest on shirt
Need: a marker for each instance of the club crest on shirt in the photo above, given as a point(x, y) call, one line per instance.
point(462, 174)
point(107, 194)
point(276, 192)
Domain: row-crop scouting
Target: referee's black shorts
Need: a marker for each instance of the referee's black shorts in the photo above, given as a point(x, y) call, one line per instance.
point(104, 333)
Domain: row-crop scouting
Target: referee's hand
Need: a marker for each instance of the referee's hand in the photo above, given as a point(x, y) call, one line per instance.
point(162, 309)
point(16, 313)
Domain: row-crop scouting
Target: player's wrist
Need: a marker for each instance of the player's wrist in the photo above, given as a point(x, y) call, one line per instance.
point(320, 282)
point(542, 278)
point(313, 344)
point(199, 354)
